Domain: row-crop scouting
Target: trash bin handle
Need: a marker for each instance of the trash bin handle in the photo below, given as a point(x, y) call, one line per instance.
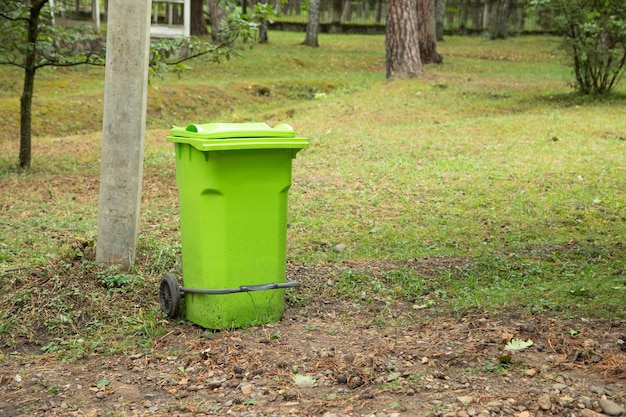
point(243, 288)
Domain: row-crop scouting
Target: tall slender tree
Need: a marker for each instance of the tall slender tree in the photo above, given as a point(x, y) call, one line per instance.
point(217, 20)
point(500, 18)
point(440, 17)
point(402, 54)
point(29, 41)
point(427, 32)
point(198, 21)
point(312, 26)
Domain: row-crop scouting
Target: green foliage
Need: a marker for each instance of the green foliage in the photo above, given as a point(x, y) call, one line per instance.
point(170, 55)
point(30, 40)
point(21, 23)
point(594, 40)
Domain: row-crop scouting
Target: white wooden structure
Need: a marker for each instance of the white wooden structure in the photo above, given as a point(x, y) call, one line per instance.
point(170, 18)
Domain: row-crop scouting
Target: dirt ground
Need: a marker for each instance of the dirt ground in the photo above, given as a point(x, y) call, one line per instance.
point(340, 357)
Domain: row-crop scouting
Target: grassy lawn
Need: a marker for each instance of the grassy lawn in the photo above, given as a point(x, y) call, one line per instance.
point(489, 159)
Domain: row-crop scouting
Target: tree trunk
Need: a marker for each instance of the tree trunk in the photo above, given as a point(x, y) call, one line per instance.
point(263, 38)
point(217, 20)
point(336, 9)
point(313, 24)
point(26, 117)
point(379, 11)
point(123, 131)
point(440, 18)
point(346, 15)
point(500, 15)
point(30, 68)
point(198, 23)
point(427, 32)
point(402, 40)
point(463, 16)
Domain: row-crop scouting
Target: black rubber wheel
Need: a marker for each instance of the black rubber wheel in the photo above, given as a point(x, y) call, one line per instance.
point(169, 295)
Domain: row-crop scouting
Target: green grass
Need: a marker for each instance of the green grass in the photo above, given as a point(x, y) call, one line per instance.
point(489, 158)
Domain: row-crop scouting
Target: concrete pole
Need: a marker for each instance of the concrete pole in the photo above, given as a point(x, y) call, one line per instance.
point(125, 96)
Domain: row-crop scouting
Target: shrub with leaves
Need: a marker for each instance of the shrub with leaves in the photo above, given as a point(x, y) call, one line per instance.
point(594, 40)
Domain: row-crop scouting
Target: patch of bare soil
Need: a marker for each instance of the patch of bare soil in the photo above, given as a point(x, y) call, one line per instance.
point(340, 357)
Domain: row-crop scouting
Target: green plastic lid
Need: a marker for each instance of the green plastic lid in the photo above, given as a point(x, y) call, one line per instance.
point(231, 136)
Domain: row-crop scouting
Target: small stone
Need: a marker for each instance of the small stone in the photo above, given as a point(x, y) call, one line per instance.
point(494, 405)
point(342, 379)
point(531, 372)
point(589, 343)
point(339, 247)
point(585, 401)
point(100, 395)
point(247, 389)
point(590, 413)
point(366, 395)
point(465, 399)
point(544, 402)
point(523, 414)
point(611, 408)
point(214, 383)
point(597, 390)
point(559, 387)
point(566, 400)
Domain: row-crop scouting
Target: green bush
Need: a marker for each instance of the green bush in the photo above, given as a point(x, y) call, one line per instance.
point(594, 41)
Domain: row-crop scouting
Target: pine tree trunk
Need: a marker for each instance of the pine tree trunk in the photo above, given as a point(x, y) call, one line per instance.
point(501, 16)
point(379, 11)
point(440, 17)
point(427, 32)
point(335, 16)
point(198, 23)
point(217, 20)
point(402, 40)
point(463, 16)
point(346, 15)
point(313, 24)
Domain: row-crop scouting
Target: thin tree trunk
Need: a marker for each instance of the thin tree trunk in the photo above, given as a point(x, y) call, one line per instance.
point(198, 23)
point(263, 38)
point(313, 24)
point(440, 17)
point(26, 100)
point(26, 116)
point(402, 40)
point(463, 16)
point(217, 20)
point(335, 16)
point(379, 11)
point(346, 15)
point(500, 19)
point(427, 32)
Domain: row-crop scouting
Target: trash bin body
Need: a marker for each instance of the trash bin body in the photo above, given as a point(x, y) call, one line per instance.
point(233, 218)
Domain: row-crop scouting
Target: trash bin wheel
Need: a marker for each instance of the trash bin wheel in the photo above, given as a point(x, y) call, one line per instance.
point(169, 295)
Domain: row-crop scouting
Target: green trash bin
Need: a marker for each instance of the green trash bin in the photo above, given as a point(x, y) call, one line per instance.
point(233, 180)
